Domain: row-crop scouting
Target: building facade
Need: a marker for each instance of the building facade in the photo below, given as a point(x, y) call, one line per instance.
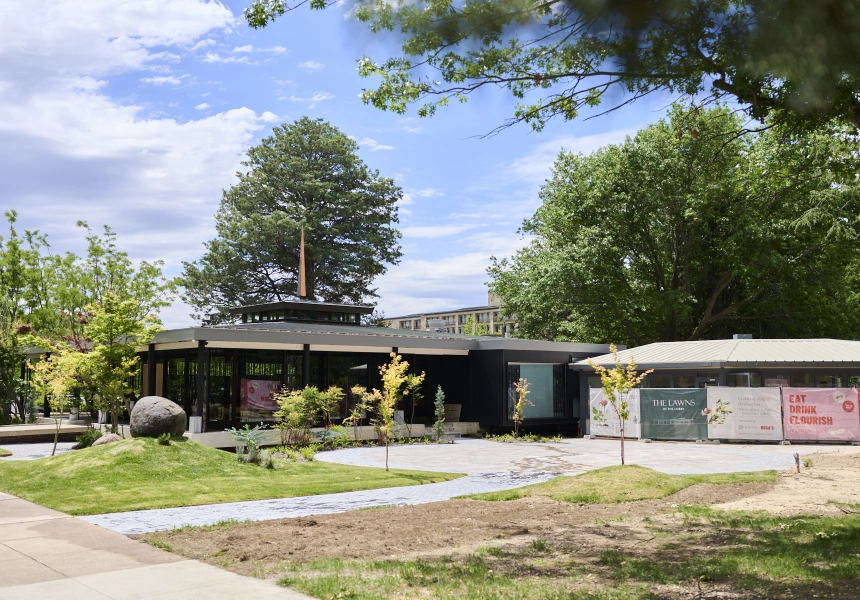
point(225, 375)
point(454, 321)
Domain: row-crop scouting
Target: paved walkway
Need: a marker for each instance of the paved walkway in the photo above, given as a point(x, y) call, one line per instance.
point(34, 451)
point(490, 466)
point(48, 555)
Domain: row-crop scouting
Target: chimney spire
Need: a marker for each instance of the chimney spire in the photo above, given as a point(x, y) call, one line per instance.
point(303, 292)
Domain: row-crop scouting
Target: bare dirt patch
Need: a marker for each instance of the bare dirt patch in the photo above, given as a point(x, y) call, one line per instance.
point(411, 531)
point(833, 477)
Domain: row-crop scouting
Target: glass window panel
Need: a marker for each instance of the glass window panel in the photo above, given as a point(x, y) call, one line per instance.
point(594, 382)
point(826, 381)
point(685, 381)
point(540, 391)
point(659, 380)
point(738, 379)
point(802, 380)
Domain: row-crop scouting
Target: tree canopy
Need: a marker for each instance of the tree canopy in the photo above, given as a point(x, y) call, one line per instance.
point(307, 174)
point(797, 58)
point(58, 303)
point(689, 231)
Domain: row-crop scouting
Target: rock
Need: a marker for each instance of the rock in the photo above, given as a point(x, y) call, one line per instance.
point(153, 416)
point(107, 439)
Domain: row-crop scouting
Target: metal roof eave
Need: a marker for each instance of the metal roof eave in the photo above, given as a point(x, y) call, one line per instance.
point(581, 365)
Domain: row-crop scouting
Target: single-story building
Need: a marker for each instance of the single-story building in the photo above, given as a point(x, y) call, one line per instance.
point(225, 374)
point(741, 362)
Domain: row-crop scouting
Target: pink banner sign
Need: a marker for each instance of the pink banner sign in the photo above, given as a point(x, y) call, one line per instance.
point(256, 394)
point(826, 414)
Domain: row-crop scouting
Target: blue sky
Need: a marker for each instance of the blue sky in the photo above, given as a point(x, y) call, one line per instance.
point(136, 114)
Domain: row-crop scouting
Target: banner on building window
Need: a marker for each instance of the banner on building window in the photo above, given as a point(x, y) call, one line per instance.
point(603, 420)
point(674, 414)
point(255, 399)
point(756, 413)
point(825, 414)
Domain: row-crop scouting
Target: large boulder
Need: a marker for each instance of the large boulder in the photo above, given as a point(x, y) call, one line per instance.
point(107, 439)
point(153, 416)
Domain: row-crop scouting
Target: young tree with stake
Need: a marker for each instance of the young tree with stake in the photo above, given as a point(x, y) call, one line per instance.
point(617, 383)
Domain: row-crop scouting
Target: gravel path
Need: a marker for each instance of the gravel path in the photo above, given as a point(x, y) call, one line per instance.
point(35, 451)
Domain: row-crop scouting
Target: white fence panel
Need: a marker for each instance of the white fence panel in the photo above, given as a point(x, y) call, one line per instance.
point(756, 413)
point(603, 420)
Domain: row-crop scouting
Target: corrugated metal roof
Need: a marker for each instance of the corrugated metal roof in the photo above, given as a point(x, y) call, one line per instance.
point(291, 326)
point(737, 352)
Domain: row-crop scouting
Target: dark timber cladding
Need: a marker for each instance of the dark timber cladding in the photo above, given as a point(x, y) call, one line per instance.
point(227, 374)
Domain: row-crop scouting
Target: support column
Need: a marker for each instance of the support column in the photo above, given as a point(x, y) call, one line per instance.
point(150, 371)
point(306, 365)
point(396, 350)
point(202, 379)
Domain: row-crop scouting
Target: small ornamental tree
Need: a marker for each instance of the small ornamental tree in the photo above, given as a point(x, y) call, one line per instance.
point(54, 377)
point(439, 405)
point(521, 388)
point(617, 383)
point(397, 383)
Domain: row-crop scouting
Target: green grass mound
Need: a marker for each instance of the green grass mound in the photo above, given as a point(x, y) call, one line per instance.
point(4, 452)
point(621, 484)
point(140, 473)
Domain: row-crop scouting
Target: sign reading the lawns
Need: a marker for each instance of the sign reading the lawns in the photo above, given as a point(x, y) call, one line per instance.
point(756, 413)
point(674, 414)
point(821, 414)
point(604, 422)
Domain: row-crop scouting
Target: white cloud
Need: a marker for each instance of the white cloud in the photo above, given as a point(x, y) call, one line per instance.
point(410, 195)
point(535, 167)
point(275, 50)
point(434, 231)
point(168, 80)
point(202, 106)
point(243, 49)
point(214, 57)
point(203, 44)
point(312, 100)
point(69, 151)
point(371, 144)
point(311, 65)
point(93, 38)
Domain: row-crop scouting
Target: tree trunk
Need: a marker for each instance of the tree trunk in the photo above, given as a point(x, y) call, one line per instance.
point(622, 442)
point(58, 422)
point(386, 454)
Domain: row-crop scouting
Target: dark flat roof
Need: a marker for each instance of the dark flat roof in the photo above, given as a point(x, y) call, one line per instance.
point(302, 305)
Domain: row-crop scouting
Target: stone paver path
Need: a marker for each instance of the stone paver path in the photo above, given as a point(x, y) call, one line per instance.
point(490, 466)
point(35, 451)
point(48, 555)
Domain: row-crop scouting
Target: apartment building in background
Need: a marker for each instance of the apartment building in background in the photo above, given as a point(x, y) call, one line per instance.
point(454, 321)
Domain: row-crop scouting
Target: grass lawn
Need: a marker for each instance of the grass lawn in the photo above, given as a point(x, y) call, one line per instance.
point(4, 452)
point(621, 484)
point(139, 473)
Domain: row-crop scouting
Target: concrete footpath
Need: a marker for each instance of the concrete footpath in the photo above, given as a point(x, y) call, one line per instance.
point(48, 555)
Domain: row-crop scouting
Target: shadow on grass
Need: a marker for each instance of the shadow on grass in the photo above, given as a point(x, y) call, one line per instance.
point(771, 557)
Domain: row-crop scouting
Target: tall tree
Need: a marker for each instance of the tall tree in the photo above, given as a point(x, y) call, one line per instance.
point(689, 231)
point(798, 58)
point(20, 297)
point(307, 174)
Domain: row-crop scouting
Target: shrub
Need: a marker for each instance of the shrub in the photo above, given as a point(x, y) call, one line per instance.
point(301, 409)
point(248, 442)
point(439, 425)
point(86, 439)
point(164, 439)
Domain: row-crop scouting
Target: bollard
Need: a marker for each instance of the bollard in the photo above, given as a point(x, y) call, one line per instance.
point(797, 461)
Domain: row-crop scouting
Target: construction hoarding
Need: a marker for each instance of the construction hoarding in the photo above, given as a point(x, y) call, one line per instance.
point(674, 414)
point(821, 414)
point(756, 413)
point(604, 420)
